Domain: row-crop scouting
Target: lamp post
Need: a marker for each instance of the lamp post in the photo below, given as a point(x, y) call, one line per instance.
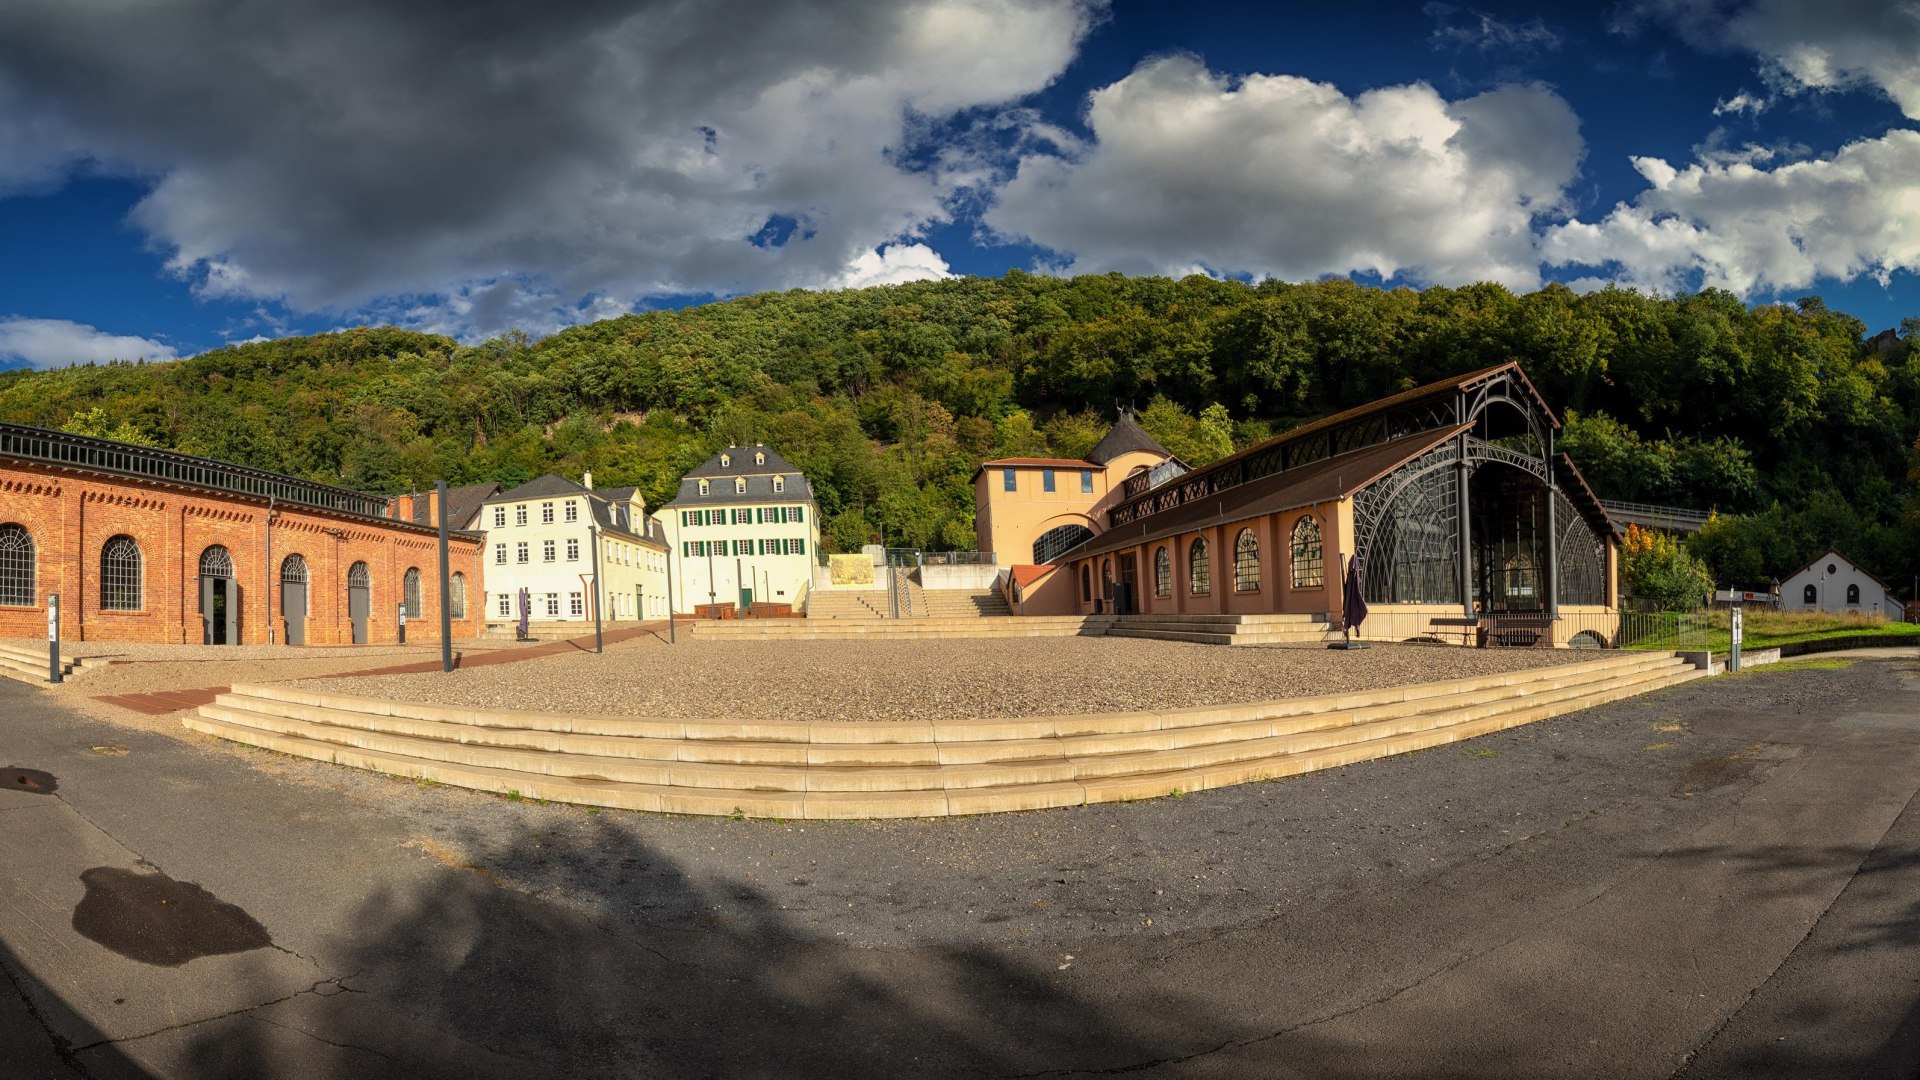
point(446, 584)
point(593, 537)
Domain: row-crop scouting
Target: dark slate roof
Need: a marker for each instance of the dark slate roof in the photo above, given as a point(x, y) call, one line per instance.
point(759, 480)
point(462, 504)
point(540, 487)
point(1124, 437)
point(742, 463)
point(1319, 482)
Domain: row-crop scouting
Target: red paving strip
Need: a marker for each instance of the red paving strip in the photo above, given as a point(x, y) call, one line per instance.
point(162, 702)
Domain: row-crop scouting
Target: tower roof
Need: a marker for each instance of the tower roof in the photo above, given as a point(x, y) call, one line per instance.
point(1125, 437)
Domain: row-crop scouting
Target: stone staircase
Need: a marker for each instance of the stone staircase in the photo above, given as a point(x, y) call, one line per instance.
point(874, 629)
point(797, 769)
point(832, 604)
point(25, 663)
point(1227, 629)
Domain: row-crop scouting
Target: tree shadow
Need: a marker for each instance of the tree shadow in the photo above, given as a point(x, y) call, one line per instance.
point(467, 977)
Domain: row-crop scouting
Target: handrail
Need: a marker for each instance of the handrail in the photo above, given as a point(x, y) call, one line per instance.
point(166, 466)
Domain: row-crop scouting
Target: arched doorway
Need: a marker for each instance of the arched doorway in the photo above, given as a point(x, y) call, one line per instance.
point(293, 598)
point(359, 600)
point(219, 598)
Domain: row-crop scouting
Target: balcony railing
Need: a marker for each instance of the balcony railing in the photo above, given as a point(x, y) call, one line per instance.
point(164, 466)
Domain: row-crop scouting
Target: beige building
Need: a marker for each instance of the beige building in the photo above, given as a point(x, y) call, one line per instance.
point(1029, 511)
point(539, 539)
point(743, 532)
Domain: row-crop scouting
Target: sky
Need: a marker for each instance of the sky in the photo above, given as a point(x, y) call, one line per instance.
point(180, 174)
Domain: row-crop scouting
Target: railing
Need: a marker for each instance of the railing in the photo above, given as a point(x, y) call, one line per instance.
point(1673, 518)
point(1588, 629)
point(165, 466)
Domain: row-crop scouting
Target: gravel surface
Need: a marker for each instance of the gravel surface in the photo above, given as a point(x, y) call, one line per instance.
point(1649, 769)
point(932, 680)
point(142, 651)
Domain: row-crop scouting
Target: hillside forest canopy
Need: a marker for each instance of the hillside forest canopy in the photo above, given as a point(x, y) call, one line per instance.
point(1788, 420)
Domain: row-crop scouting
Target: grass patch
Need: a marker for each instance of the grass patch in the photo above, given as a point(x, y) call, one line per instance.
point(513, 795)
point(1800, 665)
point(1481, 752)
point(1762, 630)
point(1661, 746)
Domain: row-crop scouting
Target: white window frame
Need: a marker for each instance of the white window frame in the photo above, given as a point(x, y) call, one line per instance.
point(547, 550)
point(573, 549)
point(573, 511)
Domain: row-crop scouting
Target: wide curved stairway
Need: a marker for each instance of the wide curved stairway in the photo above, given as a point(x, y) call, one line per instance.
point(797, 769)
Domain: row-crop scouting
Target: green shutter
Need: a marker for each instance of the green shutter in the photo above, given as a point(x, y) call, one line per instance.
point(800, 515)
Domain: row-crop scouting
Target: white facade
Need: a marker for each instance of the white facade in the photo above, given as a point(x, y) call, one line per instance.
point(1833, 584)
point(744, 529)
point(538, 539)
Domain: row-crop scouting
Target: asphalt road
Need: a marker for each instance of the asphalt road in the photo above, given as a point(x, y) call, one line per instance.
point(1712, 881)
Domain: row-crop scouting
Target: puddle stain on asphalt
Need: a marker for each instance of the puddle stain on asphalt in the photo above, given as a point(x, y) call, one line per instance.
point(29, 780)
point(151, 918)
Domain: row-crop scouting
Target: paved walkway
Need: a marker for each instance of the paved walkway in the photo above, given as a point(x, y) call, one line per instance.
point(161, 702)
point(1716, 880)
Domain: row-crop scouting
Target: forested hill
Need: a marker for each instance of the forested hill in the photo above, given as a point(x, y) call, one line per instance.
point(890, 397)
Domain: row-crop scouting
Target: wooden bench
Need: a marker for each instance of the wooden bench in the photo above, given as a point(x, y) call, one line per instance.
point(1468, 626)
point(1525, 630)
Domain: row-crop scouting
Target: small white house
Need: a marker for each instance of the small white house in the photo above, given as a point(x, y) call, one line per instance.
point(1834, 584)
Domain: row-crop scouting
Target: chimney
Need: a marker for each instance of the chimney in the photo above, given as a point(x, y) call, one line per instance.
point(403, 507)
point(433, 508)
point(586, 480)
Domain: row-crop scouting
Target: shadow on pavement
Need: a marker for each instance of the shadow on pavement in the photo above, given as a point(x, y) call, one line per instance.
point(29, 1048)
point(468, 978)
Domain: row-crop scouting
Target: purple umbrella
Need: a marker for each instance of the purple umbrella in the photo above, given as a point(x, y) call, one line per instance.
point(1354, 605)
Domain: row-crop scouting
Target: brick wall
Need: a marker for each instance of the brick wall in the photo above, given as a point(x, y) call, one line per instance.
point(71, 517)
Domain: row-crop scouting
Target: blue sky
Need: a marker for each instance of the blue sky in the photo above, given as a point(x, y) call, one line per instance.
point(181, 177)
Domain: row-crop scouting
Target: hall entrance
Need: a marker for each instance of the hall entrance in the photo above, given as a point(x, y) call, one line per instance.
point(219, 598)
point(359, 601)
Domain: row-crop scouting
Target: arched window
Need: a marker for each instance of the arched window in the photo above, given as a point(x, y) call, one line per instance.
point(1810, 595)
point(216, 562)
point(1057, 541)
point(703, 487)
point(1246, 562)
point(759, 459)
point(1199, 570)
point(457, 596)
point(358, 578)
point(726, 461)
point(120, 578)
point(16, 565)
point(1162, 572)
point(739, 485)
point(1853, 594)
point(1086, 582)
point(410, 590)
point(779, 484)
point(293, 570)
point(1309, 568)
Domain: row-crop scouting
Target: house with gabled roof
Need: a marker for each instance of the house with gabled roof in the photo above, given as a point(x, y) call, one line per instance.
point(540, 548)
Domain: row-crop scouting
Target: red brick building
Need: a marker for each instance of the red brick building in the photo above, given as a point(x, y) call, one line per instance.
point(149, 545)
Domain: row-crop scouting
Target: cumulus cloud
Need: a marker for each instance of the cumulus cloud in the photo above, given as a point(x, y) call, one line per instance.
point(1741, 104)
point(51, 343)
point(895, 264)
point(504, 159)
point(1274, 175)
point(1736, 225)
point(1804, 45)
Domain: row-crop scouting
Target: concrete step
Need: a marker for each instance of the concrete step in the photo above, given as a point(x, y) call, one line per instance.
point(1247, 619)
point(819, 770)
point(1199, 635)
point(661, 762)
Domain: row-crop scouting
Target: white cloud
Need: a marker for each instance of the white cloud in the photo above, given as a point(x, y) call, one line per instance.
point(52, 343)
point(1738, 226)
point(519, 160)
point(1804, 45)
point(1741, 104)
point(1274, 175)
point(894, 265)
point(1484, 32)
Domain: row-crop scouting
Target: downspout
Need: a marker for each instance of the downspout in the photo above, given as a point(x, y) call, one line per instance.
point(268, 569)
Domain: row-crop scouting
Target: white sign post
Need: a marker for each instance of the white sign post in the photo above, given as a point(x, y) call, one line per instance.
point(403, 623)
point(53, 637)
point(1733, 645)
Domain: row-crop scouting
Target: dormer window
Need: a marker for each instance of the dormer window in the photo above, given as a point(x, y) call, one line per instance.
point(759, 459)
point(739, 485)
point(779, 484)
point(703, 487)
point(726, 461)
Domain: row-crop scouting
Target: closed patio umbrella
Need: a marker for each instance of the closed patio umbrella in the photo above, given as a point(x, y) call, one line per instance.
point(524, 606)
point(1353, 606)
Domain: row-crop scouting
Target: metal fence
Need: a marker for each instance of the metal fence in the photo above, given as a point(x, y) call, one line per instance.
point(1661, 630)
